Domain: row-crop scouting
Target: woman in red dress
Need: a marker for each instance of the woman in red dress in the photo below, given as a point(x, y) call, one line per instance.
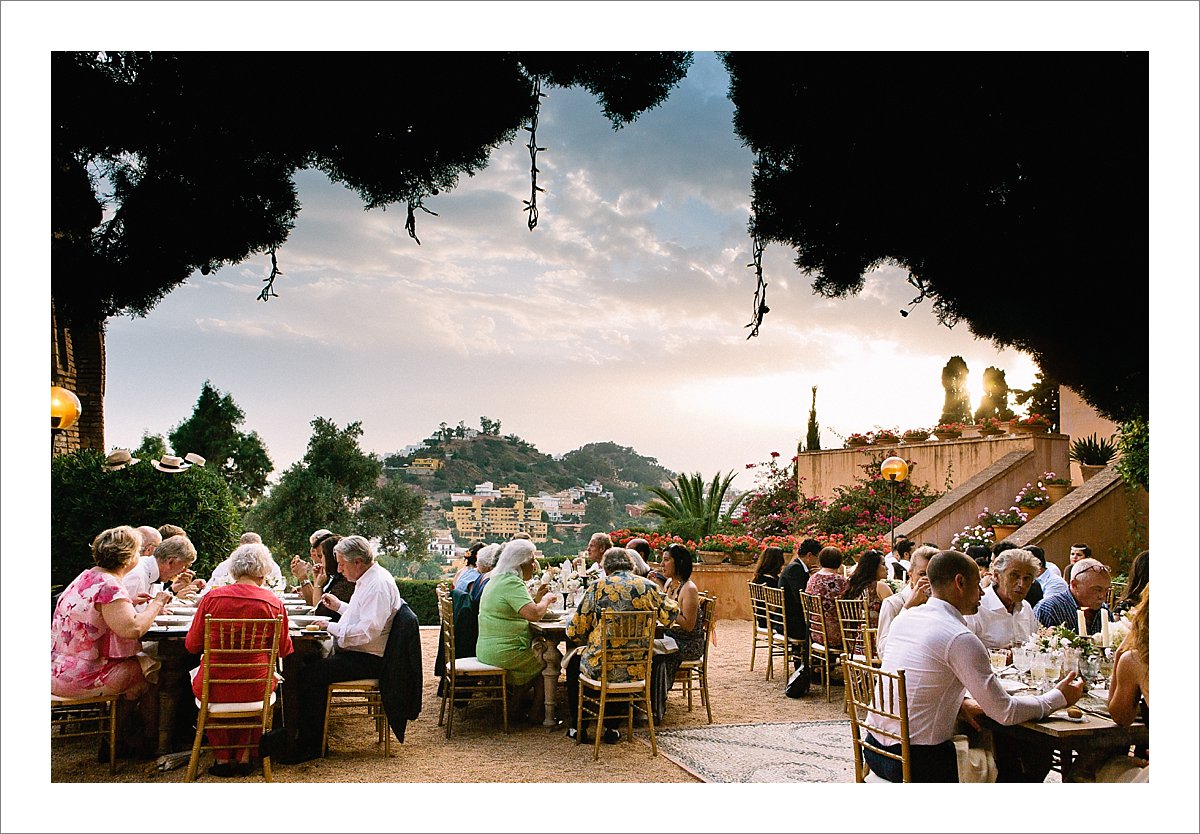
point(245, 599)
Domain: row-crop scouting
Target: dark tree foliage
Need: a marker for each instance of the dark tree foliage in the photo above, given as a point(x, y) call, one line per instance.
point(957, 407)
point(1041, 399)
point(212, 431)
point(194, 153)
point(994, 402)
point(978, 173)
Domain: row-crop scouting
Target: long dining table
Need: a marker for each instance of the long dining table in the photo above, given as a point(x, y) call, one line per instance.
point(174, 681)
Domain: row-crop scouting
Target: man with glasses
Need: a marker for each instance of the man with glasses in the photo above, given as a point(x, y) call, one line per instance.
point(1089, 587)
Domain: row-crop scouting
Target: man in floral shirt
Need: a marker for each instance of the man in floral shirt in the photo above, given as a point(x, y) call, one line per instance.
point(618, 589)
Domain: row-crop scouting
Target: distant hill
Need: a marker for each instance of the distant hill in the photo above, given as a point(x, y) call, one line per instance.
point(509, 459)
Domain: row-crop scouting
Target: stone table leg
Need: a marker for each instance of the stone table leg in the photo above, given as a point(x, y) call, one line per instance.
point(552, 660)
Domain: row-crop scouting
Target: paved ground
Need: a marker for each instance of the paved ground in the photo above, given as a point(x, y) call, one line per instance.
point(480, 752)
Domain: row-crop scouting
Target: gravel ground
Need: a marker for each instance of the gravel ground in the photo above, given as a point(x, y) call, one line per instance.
point(480, 752)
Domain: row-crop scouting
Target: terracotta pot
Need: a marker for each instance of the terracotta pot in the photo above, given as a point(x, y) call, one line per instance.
point(710, 557)
point(1057, 492)
point(1000, 532)
point(1032, 512)
point(885, 441)
point(856, 443)
point(991, 432)
point(1090, 471)
point(947, 435)
point(915, 438)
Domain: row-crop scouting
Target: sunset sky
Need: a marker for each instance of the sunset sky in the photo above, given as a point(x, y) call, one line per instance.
point(621, 317)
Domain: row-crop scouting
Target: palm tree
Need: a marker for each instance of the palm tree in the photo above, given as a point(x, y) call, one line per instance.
point(691, 511)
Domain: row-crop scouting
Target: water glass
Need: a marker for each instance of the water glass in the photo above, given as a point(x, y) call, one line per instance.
point(1022, 659)
point(999, 659)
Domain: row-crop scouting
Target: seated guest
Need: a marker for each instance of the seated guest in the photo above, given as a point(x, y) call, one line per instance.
point(170, 564)
point(1130, 691)
point(899, 560)
point(1139, 579)
point(944, 661)
point(829, 584)
point(597, 546)
point(619, 589)
point(245, 599)
point(274, 579)
point(766, 572)
point(167, 530)
point(468, 573)
point(505, 611)
point(1004, 618)
point(793, 579)
point(640, 553)
point(1079, 551)
point(485, 563)
point(323, 577)
point(914, 593)
point(94, 634)
point(686, 630)
point(250, 537)
point(150, 539)
point(982, 556)
point(868, 583)
point(360, 638)
point(1088, 589)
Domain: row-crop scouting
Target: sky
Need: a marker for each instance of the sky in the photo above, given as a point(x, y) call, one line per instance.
point(621, 317)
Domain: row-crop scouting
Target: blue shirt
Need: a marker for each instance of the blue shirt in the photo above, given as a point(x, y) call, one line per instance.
point(1061, 609)
point(469, 576)
point(1052, 584)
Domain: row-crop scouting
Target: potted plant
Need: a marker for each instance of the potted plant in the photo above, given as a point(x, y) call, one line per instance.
point(948, 431)
point(1033, 424)
point(1032, 499)
point(1003, 522)
point(739, 550)
point(1092, 454)
point(972, 534)
point(916, 435)
point(883, 437)
point(857, 439)
point(1056, 488)
point(989, 427)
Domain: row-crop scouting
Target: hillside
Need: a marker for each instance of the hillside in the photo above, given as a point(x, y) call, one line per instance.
point(509, 459)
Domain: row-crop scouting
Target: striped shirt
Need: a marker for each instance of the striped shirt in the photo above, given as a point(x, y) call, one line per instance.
point(1061, 609)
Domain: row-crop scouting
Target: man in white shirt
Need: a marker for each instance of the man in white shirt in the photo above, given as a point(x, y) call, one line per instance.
point(1004, 618)
point(943, 661)
point(169, 563)
point(360, 636)
point(597, 547)
point(913, 594)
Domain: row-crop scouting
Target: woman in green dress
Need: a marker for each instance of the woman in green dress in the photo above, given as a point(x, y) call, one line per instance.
point(505, 611)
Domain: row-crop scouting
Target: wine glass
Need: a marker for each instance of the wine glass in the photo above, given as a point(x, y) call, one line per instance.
point(999, 658)
point(1022, 659)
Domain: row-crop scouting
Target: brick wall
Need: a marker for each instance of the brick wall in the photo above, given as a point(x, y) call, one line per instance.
point(77, 364)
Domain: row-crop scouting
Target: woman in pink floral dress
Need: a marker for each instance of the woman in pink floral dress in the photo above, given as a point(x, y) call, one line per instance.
point(94, 633)
point(829, 584)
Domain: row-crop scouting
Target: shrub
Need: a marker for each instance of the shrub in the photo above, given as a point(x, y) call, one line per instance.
point(421, 596)
point(85, 499)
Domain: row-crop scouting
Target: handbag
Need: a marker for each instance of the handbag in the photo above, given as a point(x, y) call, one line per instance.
point(799, 682)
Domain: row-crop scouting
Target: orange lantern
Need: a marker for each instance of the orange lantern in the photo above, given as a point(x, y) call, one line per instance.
point(65, 408)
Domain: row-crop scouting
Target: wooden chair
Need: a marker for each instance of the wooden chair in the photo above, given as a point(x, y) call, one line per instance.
point(697, 670)
point(628, 645)
point(358, 697)
point(482, 681)
point(1116, 590)
point(99, 711)
point(818, 644)
point(852, 617)
point(236, 651)
point(779, 645)
point(758, 614)
point(870, 639)
point(875, 692)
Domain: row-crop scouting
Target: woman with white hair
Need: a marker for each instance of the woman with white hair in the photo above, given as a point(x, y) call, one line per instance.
point(245, 599)
point(485, 563)
point(505, 611)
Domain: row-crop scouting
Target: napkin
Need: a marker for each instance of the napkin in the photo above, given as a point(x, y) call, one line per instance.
point(1012, 685)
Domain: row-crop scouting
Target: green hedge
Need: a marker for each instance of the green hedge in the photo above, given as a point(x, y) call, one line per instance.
point(422, 598)
point(86, 499)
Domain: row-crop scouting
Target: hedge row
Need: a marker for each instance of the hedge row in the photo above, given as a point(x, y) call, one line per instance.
point(421, 596)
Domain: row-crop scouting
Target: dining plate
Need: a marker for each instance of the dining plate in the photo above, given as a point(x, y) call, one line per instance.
point(551, 616)
point(172, 629)
point(304, 632)
point(304, 619)
point(1061, 715)
point(172, 620)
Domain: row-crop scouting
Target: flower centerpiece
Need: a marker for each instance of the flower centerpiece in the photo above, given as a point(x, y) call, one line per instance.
point(858, 439)
point(989, 426)
point(948, 431)
point(972, 534)
point(882, 437)
point(1056, 638)
point(916, 435)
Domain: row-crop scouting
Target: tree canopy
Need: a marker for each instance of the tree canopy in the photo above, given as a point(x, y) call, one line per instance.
point(1013, 188)
point(168, 163)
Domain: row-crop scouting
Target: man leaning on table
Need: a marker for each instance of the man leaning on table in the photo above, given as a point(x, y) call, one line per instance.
point(1085, 594)
point(944, 662)
point(169, 563)
point(360, 636)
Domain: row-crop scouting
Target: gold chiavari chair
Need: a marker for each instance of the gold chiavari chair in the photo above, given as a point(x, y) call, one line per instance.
point(628, 645)
point(762, 637)
point(697, 670)
point(780, 645)
point(819, 648)
point(875, 692)
point(469, 677)
point(94, 716)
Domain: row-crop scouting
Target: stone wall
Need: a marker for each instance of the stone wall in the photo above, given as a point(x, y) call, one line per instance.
point(728, 584)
